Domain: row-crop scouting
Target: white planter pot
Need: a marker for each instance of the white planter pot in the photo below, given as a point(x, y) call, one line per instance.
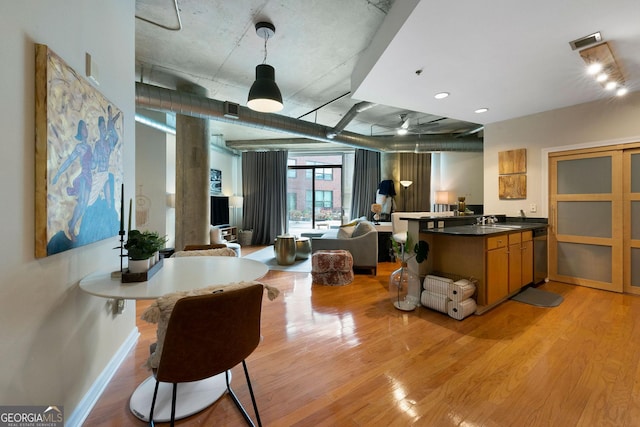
point(138, 265)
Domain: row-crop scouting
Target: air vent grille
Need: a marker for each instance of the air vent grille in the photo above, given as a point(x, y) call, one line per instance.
point(586, 41)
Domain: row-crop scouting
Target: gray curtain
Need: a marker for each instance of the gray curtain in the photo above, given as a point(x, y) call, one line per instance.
point(366, 176)
point(264, 187)
point(417, 168)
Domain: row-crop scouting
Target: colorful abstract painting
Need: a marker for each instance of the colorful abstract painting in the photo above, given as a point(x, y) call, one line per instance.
point(79, 166)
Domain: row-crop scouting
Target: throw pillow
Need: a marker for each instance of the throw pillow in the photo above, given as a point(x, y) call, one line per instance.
point(160, 311)
point(345, 232)
point(362, 228)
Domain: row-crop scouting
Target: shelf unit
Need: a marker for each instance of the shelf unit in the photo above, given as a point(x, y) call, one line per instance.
point(230, 234)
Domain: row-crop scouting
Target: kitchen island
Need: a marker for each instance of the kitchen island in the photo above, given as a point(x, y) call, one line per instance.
point(498, 256)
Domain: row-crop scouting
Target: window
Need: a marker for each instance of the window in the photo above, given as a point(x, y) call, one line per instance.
point(324, 199)
point(324, 174)
point(292, 201)
point(291, 173)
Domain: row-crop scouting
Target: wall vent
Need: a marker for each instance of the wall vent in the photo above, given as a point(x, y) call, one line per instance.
point(586, 41)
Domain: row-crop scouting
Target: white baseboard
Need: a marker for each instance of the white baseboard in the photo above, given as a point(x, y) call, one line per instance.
point(80, 414)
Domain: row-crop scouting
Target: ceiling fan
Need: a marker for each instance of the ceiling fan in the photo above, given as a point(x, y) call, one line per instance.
point(409, 124)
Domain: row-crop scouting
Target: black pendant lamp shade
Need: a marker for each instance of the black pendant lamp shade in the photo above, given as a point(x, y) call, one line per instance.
point(264, 95)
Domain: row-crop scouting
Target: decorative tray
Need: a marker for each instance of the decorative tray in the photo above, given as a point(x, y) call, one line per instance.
point(141, 277)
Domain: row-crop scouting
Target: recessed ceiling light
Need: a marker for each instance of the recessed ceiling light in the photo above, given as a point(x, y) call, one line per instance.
point(622, 91)
point(482, 110)
point(594, 68)
point(441, 95)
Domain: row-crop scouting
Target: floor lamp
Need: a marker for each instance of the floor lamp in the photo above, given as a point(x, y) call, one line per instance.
point(236, 203)
point(405, 185)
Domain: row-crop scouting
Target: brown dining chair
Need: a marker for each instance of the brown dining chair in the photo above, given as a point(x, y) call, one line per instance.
point(207, 335)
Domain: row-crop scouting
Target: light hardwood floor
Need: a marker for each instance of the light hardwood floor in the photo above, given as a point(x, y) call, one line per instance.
point(343, 356)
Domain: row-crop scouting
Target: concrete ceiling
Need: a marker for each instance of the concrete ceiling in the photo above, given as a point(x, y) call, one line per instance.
point(512, 57)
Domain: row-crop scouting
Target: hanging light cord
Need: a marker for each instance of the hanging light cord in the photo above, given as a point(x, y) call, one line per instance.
point(266, 39)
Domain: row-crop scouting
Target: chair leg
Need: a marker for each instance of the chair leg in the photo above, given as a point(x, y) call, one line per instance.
point(153, 404)
point(237, 401)
point(173, 404)
point(253, 397)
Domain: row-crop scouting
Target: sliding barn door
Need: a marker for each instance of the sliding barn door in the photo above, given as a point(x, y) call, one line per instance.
point(631, 203)
point(586, 212)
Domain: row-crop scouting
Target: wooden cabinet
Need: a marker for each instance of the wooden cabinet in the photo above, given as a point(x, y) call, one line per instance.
point(497, 273)
point(509, 264)
point(520, 260)
point(527, 257)
point(230, 234)
point(515, 261)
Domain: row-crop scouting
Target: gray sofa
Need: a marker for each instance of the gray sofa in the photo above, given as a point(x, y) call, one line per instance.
point(361, 240)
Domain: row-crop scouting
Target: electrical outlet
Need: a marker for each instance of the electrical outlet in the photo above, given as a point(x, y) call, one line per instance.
point(533, 207)
point(440, 224)
point(430, 225)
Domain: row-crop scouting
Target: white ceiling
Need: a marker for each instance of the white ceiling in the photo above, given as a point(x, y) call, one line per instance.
point(510, 56)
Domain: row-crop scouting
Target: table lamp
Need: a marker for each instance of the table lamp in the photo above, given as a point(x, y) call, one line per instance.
point(376, 208)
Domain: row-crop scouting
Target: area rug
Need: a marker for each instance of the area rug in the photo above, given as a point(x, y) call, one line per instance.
point(538, 297)
point(267, 257)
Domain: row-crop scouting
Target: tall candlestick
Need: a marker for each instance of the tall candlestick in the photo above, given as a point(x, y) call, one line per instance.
point(122, 210)
point(130, 204)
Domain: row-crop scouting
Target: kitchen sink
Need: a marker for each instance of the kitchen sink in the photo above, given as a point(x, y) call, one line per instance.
point(500, 226)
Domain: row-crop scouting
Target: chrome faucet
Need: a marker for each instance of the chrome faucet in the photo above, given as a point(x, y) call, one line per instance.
point(486, 220)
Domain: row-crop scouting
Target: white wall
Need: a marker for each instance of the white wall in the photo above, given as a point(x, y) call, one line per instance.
point(615, 120)
point(231, 167)
point(55, 338)
point(461, 174)
point(151, 173)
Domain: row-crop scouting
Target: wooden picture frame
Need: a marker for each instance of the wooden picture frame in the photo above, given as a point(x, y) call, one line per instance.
point(78, 159)
point(512, 161)
point(512, 186)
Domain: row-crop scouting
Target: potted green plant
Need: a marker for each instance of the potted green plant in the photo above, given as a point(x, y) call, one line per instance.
point(140, 248)
point(158, 243)
point(403, 283)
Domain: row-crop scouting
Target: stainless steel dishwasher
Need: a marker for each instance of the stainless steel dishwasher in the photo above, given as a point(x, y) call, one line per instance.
point(540, 254)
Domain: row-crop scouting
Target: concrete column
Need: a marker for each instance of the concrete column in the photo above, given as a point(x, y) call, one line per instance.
point(192, 178)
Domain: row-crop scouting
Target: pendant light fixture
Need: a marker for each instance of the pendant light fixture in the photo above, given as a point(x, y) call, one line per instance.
point(264, 95)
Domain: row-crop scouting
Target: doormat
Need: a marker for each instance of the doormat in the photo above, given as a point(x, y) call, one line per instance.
point(538, 298)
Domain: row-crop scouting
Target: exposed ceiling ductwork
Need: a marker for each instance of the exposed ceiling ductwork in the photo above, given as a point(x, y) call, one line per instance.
point(168, 100)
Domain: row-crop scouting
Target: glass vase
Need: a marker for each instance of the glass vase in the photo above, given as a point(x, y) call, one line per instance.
point(401, 282)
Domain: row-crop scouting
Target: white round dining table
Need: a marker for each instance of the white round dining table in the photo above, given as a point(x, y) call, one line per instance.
point(176, 274)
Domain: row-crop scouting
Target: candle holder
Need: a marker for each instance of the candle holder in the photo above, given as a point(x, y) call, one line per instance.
point(118, 274)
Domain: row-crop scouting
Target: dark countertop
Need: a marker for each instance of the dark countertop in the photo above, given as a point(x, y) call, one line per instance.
point(485, 230)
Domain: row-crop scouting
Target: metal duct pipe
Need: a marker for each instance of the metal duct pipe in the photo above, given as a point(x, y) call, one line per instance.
point(408, 145)
point(163, 127)
point(351, 114)
point(157, 98)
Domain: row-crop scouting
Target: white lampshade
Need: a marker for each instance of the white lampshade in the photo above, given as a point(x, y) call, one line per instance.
point(442, 197)
point(236, 201)
point(405, 184)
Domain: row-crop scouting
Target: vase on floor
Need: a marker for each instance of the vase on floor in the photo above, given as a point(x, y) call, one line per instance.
point(400, 282)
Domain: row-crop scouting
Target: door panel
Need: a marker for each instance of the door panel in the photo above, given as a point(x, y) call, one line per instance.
point(631, 202)
point(585, 240)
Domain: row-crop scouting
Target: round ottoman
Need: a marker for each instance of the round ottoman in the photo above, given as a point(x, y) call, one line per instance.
point(333, 268)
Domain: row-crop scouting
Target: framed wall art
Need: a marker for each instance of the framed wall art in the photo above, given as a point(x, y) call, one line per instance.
point(215, 182)
point(79, 166)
